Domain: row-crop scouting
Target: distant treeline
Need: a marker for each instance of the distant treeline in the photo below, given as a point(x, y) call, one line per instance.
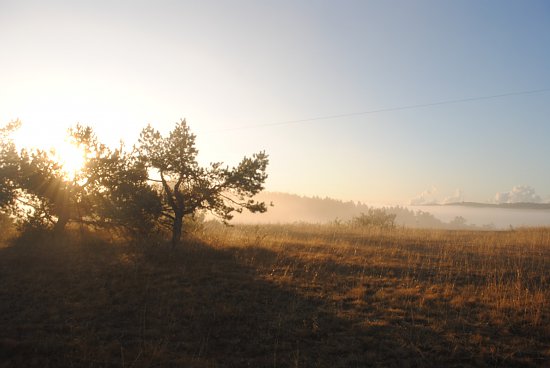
point(294, 208)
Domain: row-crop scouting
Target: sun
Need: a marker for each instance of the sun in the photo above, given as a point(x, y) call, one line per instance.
point(71, 158)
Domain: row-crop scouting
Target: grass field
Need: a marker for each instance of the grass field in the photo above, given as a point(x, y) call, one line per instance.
point(279, 296)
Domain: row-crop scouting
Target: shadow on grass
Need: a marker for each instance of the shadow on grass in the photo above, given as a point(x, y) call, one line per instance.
point(99, 305)
point(405, 314)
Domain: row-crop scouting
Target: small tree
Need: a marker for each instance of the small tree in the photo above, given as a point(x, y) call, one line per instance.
point(458, 222)
point(376, 217)
point(187, 188)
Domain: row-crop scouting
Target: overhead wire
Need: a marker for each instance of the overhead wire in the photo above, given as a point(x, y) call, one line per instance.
point(388, 109)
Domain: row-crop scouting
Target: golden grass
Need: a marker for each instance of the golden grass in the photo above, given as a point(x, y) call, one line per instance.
point(280, 296)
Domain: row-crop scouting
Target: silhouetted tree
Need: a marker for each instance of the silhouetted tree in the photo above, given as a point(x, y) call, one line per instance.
point(9, 166)
point(114, 187)
point(187, 188)
point(110, 189)
point(46, 189)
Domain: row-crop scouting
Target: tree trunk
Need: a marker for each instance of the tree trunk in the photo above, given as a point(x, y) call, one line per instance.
point(177, 229)
point(59, 226)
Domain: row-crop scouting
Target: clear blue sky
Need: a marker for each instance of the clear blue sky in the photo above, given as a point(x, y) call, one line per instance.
point(118, 65)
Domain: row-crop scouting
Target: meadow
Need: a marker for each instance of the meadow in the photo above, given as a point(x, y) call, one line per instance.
point(297, 295)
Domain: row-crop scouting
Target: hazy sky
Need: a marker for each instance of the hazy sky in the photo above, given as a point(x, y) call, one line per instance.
point(229, 66)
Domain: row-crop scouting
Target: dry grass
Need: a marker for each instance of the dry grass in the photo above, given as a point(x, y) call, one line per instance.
point(280, 296)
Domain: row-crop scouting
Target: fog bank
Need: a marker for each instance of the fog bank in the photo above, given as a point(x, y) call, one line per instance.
point(289, 208)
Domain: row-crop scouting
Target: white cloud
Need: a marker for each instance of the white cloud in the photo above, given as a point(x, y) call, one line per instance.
point(519, 193)
point(425, 198)
point(458, 196)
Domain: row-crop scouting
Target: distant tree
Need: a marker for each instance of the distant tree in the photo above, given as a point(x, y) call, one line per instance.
point(415, 219)
point(188, 188)
point(376, 217)
point(458, 222)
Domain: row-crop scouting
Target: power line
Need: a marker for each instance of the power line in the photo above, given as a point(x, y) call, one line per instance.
point(388, 109)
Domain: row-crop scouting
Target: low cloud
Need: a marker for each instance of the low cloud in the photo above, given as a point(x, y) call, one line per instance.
point(427, 197)
point(458, 196)
point(519, 193)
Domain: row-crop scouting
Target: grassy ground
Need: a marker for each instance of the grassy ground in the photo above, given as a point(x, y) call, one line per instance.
point(279, 296)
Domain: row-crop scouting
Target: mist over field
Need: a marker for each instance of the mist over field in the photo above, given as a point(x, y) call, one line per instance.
point(289, 208)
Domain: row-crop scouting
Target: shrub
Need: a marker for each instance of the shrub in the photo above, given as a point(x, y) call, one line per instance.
point(375, 217)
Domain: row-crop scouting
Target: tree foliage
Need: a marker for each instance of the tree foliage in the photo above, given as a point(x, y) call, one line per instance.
point(51, 197)
point(188, 188)
point(8, 165)
point(113, 185)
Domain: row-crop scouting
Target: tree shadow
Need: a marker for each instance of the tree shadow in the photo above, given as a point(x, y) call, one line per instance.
point(99, 305)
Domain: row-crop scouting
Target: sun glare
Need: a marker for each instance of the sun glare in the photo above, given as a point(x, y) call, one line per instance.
point(71, 158)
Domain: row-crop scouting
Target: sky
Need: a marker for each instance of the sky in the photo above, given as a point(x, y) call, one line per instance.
point(255, 75)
